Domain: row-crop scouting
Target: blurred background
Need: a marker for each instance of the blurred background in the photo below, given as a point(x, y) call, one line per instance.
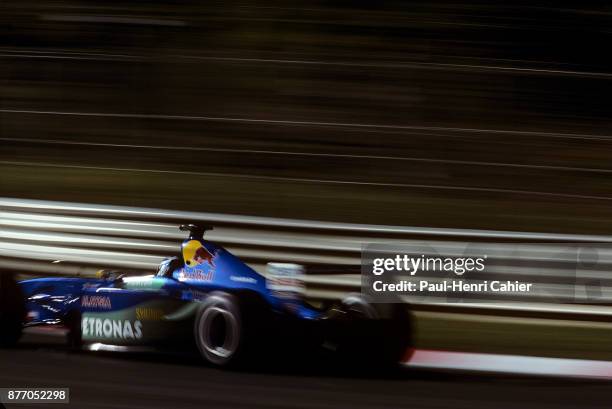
point(481, 115)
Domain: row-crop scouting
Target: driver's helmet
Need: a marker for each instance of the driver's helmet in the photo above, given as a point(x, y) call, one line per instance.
point(167, 266)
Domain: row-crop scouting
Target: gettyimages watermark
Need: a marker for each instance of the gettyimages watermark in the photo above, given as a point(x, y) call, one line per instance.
point(487, 272)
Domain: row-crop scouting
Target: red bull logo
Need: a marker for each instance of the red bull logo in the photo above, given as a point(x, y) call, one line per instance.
point(199, 262)
point(194, 254)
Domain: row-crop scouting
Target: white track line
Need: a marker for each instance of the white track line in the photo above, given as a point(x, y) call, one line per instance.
point(510, 364)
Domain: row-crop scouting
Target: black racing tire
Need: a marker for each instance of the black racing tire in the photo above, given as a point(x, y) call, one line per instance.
point(229, 329)
point(73, 324)
point(373, 335)
point(396, 335)
point(12, 310)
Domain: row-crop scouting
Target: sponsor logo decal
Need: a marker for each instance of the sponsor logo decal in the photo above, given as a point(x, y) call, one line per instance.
point(149, 314)
point(196, 274)
point(242, 279)
point(111, 329)
point(96, 301)
point(199, 262)
point(194, 254)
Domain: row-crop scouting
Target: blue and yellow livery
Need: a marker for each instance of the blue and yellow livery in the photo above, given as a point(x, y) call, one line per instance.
point(204, 297)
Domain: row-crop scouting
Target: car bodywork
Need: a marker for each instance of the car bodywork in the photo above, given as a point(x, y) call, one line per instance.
point(208, 298)
point(157, 309)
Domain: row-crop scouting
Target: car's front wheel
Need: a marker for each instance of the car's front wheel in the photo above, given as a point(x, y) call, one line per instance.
point(225, 328)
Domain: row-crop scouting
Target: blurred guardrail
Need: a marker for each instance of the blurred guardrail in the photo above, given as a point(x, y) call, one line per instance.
point(46, 238)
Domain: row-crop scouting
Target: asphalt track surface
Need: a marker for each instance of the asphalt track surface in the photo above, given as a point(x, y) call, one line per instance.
point(122, 380)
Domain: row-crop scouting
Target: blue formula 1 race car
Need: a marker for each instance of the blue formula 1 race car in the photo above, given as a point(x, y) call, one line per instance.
point(208, 298)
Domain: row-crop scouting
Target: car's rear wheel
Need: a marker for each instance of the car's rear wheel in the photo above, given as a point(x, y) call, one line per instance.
point(225, 328)
point(12, 310)
point(73, 323)
point(372, 335)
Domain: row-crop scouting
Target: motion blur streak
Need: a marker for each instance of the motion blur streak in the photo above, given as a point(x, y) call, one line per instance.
point(329, 155)
point(316, 181)
point(481, 115)
point(301, 123)
point(51, 55)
